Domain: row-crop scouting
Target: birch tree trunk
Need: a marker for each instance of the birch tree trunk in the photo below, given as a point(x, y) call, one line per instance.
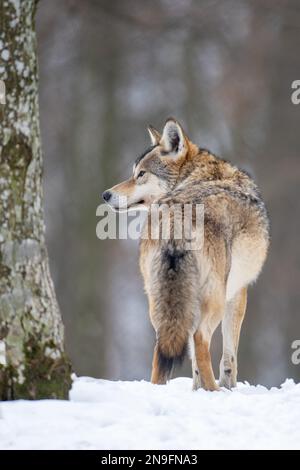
point(33, 363)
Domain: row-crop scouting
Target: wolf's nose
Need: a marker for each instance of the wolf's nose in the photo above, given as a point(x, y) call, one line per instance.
point(106, 196)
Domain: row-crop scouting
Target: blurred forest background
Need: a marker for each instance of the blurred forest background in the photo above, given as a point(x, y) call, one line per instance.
point(107, 70)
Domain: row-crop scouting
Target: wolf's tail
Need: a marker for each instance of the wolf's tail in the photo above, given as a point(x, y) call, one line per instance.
point(171, 353)
point(176, 286)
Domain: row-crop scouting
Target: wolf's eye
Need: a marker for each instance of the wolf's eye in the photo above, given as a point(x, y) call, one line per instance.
point(141, 173)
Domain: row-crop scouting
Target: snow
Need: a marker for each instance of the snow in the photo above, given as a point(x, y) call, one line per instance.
point(2, 348)
point(5, 54)
point(19, 66)
point(138, 415)
point(16, 4)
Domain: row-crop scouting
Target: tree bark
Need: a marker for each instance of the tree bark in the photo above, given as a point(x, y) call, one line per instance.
point(33, 363)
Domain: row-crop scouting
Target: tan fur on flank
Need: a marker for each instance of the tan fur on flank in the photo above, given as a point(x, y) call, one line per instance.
point(191, 291)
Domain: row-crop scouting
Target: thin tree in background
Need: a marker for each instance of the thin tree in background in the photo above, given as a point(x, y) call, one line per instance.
point(33, 363)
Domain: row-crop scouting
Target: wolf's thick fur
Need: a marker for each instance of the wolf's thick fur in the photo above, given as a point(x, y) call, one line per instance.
point(191, 291)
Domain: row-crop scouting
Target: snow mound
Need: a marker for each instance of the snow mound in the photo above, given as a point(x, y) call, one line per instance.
point(138, 415)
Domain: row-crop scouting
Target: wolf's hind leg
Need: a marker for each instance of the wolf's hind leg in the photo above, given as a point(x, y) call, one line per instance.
point(195, 368)
point(211, 315)
point(231, 328)
point(196, 375)
point(157, 375)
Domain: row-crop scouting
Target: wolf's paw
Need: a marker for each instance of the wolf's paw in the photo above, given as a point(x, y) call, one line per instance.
point(212, 387)
point(227, 379)
point(196, 380)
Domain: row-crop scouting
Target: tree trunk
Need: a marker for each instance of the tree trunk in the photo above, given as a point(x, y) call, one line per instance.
point(33, 363)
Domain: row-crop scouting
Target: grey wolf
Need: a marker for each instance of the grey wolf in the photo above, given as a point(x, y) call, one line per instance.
point(191, 292)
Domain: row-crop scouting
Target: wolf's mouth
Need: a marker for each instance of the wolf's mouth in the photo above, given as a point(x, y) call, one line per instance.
point(136, 204)
point(132, 206)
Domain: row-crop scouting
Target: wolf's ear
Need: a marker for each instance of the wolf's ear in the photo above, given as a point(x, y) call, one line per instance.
point(154, 135)
point(173, 139)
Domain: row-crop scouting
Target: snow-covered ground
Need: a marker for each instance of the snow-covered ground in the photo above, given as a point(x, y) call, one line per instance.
point(138, 415)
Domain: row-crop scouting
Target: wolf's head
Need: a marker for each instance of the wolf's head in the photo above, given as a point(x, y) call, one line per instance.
point(155, 172)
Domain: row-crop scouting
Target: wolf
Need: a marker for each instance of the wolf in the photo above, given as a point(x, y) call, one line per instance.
point(190, 292)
